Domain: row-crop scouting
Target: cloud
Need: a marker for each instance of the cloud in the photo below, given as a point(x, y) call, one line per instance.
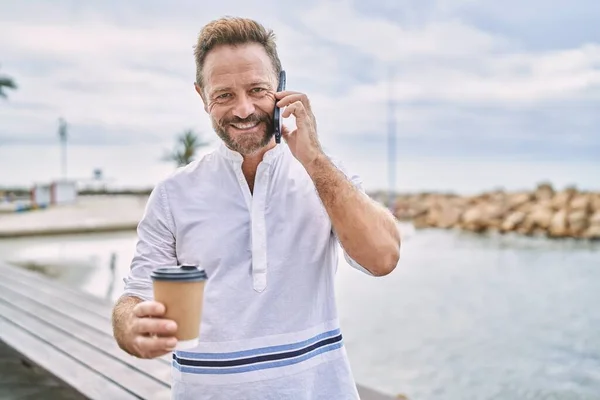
point(111, 76)
point(455, 62)
point(389, 41)
point(122, 72)
point(104, 76)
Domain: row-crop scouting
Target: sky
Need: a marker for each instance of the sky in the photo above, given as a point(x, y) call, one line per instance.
point(486, 94)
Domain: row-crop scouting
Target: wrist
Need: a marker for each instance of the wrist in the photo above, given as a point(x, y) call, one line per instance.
point(316, 163)
point(125, 335)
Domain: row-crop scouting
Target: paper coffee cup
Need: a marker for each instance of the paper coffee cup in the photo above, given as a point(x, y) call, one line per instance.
point(181, 291)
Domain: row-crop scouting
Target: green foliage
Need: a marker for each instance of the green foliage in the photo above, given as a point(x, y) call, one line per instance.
point(186, 147)
point(6, 82)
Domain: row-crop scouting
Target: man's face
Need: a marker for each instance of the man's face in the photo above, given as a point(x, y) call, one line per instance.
point(239, 95)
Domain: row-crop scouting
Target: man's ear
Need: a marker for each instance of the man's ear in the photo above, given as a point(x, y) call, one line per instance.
point(201, 93)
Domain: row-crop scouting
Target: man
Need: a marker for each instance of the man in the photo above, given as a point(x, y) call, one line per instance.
point(263, 220)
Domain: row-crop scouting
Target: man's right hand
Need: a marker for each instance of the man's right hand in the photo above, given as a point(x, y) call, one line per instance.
point(149, 335)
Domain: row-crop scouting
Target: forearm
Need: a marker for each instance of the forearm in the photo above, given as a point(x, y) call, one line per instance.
point(122, 316)
point(366, 230)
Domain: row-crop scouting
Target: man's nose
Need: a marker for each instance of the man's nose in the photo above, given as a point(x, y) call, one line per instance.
point(244, 107)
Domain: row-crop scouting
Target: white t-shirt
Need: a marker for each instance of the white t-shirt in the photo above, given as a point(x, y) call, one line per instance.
point(270, 327)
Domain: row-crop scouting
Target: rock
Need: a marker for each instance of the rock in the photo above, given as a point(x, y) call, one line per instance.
point(562, 199)
point(544, 191)
point(472, 219)
point(494, 212)
point(544, 204)
point(582, 202)
point(472, 215)
point(513, 221)
point(525, 230)
point(444, 216)
point(595, 219)
point(518, 199)
point(410, 207)
point(577, 222)
point(526, 207)
point(418, 211)
point(403, 211)
point(559, 226)
point(539, 217)
point(593, 232)
point(596, 202)
point(566, 213)
point(483, 216)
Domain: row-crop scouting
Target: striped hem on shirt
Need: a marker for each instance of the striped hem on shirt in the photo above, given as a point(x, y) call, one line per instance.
point(257, 359)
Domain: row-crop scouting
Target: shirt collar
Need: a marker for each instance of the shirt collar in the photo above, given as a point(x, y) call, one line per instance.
point(232, 155)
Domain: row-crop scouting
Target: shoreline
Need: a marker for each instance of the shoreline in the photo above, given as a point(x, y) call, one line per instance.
point(541, 212)
point(69, 230)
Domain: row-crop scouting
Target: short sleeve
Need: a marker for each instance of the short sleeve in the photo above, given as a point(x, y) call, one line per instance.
point(155, 245)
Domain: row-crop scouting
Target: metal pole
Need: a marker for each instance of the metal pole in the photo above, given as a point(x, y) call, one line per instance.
point(62, 133)
point(391, 142)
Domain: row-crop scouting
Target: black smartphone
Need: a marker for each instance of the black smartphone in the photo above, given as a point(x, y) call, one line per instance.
point(277, 113)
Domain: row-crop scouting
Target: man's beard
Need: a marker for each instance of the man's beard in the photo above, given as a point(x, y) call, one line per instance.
point(249, 143)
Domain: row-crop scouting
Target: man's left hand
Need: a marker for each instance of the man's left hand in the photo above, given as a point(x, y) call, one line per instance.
point(302, 141)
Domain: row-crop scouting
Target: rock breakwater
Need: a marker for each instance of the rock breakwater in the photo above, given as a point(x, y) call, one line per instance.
point(541, 212)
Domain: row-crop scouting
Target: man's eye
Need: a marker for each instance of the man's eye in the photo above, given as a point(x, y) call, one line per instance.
point(257, 90)
point(223, 96)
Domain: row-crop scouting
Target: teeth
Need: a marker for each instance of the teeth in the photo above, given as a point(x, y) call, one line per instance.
point(245, 126)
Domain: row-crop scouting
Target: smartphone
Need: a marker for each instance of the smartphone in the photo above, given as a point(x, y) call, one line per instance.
point(277, 113)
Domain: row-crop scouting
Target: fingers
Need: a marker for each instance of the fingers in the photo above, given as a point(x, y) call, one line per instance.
point(153, 346)
point(153, 337)
point(285, 93)
point(296, 108)
point(154, 326)
point(292, 97)
point(297, 104)
point(149, 309)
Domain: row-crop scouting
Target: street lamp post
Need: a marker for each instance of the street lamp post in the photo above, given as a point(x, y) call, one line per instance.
point(62, 134)
point(391, 142)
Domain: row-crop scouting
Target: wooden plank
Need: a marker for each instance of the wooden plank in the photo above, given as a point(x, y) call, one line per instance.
point(56, 289)
point(21, 379)
point(68, 308)
point(68, 305)
point(37, 276)
point(116, 372)
point(101, 342)
point(67, 369)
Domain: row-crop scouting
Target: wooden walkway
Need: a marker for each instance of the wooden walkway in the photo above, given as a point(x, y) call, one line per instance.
point(21, 380)
point(68, 333)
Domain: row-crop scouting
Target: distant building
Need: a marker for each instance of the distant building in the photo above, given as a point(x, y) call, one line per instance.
point(63, 192)
point(41, 195)
point(55, 193)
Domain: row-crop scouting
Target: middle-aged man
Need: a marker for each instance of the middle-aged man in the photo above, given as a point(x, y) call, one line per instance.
point(263, 220)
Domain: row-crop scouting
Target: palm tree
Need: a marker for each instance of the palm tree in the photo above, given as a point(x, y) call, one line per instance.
point(6, 82)
point(187, 144)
